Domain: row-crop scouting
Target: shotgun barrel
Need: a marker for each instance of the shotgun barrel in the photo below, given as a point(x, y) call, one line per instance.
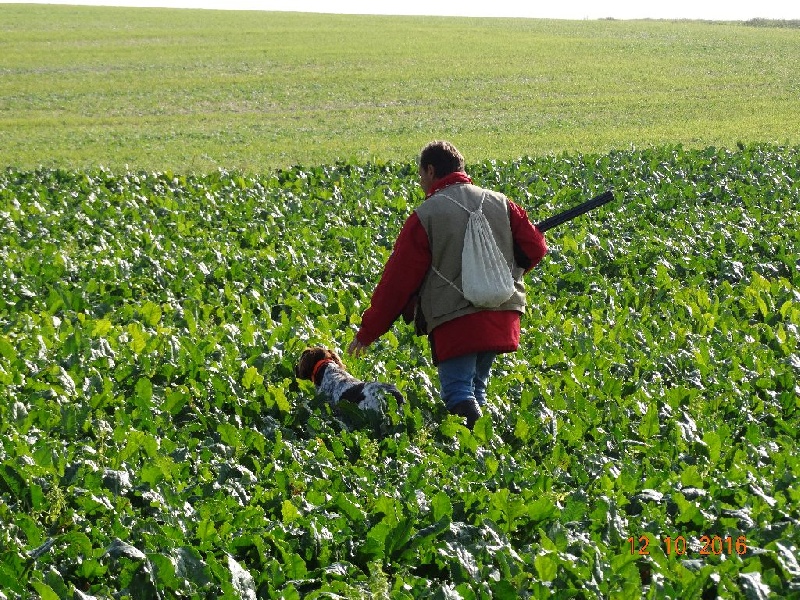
point(576, 211)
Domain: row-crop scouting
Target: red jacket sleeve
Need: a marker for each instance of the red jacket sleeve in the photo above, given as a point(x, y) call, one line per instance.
point(401, 279)
point(527, 239)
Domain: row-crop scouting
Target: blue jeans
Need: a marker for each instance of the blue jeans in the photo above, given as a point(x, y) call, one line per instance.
point(465, 378)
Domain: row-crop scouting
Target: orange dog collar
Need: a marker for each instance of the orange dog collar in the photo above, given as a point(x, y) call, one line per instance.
point(317, 367)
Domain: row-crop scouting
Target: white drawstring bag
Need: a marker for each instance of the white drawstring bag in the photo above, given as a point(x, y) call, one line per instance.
point(486, 279)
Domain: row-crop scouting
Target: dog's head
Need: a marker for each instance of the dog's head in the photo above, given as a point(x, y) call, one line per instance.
point(310, 357)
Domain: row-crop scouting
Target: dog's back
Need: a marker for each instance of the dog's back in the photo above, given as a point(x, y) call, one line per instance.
point(326, 370)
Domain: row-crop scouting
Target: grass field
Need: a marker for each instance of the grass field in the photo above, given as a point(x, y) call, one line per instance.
point(193, 91)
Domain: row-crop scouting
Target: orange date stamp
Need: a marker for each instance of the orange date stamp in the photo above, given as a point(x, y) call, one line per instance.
point(703, 545)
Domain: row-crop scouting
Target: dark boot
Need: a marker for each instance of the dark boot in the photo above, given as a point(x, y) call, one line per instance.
point(468, 409)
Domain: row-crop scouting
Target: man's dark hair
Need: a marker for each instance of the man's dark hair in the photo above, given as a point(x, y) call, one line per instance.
point(443, 156)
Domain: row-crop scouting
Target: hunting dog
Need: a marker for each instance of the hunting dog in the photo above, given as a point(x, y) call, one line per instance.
point(325, 369)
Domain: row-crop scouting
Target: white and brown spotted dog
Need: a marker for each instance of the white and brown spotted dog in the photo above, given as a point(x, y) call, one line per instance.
point(325, 369)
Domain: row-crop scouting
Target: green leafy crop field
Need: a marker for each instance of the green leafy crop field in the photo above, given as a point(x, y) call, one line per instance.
point(643, 442)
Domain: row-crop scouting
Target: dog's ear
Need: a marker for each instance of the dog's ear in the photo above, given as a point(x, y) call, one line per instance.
point(305, 365)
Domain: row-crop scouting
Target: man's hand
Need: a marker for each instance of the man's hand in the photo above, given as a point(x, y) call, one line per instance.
point(356, 348)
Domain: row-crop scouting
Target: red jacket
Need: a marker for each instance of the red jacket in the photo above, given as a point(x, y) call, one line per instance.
point(406, 270)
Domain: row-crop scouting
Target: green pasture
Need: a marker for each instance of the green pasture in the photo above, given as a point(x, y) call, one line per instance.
point(198, 90)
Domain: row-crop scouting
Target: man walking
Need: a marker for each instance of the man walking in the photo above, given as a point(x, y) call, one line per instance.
point(424, 271)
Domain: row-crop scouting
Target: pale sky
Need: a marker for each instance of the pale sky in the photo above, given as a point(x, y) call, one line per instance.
point(720, 10)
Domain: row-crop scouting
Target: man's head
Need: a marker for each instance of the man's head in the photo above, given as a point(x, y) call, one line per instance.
point(443, 157)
